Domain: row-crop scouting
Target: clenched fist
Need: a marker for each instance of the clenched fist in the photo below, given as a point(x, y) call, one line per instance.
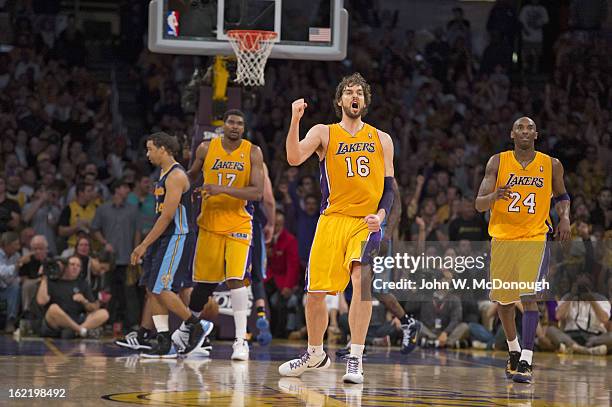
point(297, 108)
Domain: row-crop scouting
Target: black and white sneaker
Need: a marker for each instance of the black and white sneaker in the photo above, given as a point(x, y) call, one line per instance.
point(512, 363)
point(410, 332)
point(354, 370)
point(163, 349)
point(203, 350)
point(197, 333)
point(524, 372)
point(296, 367)
point(182, 335)
point(135, 341)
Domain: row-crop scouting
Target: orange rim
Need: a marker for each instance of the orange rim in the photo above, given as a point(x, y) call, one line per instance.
point(249, 39)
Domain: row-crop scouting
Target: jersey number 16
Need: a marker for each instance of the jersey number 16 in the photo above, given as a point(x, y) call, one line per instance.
point(362, 166)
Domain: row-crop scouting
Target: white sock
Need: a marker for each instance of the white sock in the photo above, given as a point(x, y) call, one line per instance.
point(514, 345)
point(240, 304)
point(357, 350)
point(161, 323)
point(527, 355)
point(240, 322)
point(315, 350)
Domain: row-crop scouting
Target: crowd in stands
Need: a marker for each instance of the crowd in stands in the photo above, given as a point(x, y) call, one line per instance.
point(72, 186)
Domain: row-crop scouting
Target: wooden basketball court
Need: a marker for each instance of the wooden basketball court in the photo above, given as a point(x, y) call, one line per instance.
point(98, 373)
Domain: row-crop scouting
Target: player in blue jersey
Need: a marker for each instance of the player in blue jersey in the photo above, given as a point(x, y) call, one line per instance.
point(165, 247)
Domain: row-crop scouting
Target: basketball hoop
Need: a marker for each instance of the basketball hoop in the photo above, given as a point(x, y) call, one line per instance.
point(252, 48)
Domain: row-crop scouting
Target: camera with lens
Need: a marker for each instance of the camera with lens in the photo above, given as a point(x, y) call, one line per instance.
point(583, 291)
point(53, 268)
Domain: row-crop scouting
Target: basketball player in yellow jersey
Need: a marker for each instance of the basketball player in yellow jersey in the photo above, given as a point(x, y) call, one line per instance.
point(356, 162)
point(233, 175)
point(517, 188)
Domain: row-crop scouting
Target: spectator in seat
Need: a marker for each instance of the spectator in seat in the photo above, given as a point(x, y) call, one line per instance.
point(533, 18)
point(72, 308)
point(9, 280)
point(142, 197)
point(583, 315)
point(44, 213)
point(458, 27)
point(79, 214)
point(30, 270)
point(10, 212)
point(116, 227)
point(88, 173)
point(302, 221)
point(25, 237)
point(95, 269)
point(441, 321)
point(469, 226)
point(83, 250)
point(602, 214)
point(282, 277)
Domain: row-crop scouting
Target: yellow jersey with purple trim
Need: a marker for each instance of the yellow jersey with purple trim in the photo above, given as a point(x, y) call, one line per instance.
point(222, 213)
point(352, 172)
point(526, 214)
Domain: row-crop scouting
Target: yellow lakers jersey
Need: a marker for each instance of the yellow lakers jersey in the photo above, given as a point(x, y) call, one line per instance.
point(352, 172)
point(222, 213)
point(525, 214)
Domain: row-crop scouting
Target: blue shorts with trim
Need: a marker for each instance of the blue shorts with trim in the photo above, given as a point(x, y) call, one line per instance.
point(167, 260)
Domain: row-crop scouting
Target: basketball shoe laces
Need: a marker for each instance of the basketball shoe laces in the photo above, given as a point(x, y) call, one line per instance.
point(353, 365)
point(302, 361)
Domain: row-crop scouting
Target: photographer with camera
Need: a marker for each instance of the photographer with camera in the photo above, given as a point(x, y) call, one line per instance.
point(9, 280)
point(30, 269)
point(583, 315)
point(72, 309)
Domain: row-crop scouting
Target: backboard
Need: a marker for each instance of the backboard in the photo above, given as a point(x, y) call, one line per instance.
point(306, 29)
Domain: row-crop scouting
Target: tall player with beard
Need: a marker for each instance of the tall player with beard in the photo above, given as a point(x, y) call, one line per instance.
point(356, 162)
point(517, 189)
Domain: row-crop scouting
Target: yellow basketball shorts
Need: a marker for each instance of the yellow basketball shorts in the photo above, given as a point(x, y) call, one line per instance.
point(518, 268)
point(338, 242)
point(220, 257)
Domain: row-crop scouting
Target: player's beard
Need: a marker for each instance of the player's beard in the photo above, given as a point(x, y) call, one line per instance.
point(348, 112)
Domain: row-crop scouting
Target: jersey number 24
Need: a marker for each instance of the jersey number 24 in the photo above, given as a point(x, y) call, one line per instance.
point(529, 202)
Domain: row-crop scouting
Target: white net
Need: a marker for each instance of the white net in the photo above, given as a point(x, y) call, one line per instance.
point(252, 50)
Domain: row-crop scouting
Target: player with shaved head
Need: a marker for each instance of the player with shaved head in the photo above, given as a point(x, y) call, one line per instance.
point(517, 188)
